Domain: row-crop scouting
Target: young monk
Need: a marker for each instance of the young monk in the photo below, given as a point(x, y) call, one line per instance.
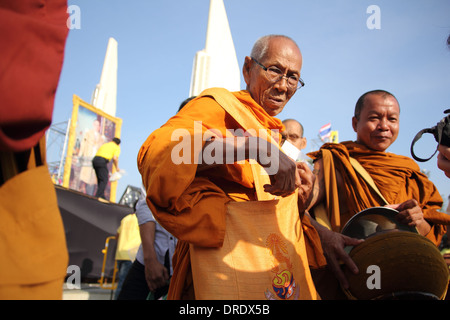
point(399, 179)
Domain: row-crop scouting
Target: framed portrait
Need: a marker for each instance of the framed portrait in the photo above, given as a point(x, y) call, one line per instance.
point(89, 129)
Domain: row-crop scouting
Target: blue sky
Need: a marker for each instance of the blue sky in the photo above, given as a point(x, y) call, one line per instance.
point(342, 59)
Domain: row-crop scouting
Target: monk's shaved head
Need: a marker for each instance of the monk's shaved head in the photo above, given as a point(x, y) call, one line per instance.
point(261, 45)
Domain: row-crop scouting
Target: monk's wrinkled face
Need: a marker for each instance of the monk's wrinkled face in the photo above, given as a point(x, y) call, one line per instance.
point(273, 96)
point(378, 124)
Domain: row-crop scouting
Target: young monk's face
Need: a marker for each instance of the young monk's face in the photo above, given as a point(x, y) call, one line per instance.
point(273, 96)
point(378, 124)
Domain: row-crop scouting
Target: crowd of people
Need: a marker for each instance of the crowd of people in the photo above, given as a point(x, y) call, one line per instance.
point(197, 208)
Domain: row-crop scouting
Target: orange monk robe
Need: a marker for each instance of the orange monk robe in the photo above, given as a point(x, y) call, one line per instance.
point(32, 35)
point(397, 177)
point(191, 206)
point(316, 258)
point(33, 247)
point(32, 241)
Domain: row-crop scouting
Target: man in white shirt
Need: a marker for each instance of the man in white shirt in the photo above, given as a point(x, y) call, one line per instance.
point(152, 269)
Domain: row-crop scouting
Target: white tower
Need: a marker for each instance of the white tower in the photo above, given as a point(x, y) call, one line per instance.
point(105, 94)
point(217, 64)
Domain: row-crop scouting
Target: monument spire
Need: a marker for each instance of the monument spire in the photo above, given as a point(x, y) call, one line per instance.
point(217, 64)
point(105, 93)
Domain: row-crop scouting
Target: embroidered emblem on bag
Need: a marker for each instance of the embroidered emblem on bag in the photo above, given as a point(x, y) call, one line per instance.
point(283, 282)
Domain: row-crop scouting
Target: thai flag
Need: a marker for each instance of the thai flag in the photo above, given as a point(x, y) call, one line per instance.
point(325, 132)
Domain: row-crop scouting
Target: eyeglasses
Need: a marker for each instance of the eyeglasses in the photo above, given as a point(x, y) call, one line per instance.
point(274, 75)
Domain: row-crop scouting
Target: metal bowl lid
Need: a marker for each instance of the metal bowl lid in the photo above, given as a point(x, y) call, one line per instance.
point(374, 220)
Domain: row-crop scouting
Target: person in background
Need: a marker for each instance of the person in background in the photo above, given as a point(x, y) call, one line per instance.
point(294, 133)
point(152, 269)
point(128, 242)
point(443, 159)
point(156, 239)
point(107, 152)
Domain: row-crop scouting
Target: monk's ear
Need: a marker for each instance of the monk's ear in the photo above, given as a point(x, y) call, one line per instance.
point(246, 69)
point(355, 124)
point(303, 143)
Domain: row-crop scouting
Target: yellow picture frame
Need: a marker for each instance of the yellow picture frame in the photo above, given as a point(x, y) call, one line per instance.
point(89, 127)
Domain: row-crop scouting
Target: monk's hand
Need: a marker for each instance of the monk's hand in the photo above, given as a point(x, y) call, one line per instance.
point(411, 214)
point(305, 184)
point(333, 245)
point(282, 170)
point(285, 180)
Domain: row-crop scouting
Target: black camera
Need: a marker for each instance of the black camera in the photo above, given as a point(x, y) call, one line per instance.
point(441, 133)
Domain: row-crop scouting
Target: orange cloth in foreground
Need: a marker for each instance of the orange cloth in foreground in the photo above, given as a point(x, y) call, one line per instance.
point(192, 206)
point(32, 36)
point(397, 177)
point(32, 241)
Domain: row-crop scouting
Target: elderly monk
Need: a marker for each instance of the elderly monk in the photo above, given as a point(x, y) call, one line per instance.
point(32, 242)
point(399, 179)
point(190, 198)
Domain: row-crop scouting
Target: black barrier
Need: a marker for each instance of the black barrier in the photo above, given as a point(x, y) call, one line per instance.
point(87, 223)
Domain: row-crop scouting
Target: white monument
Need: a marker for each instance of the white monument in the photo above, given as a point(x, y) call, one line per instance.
point(217, 64)
point(105, 93)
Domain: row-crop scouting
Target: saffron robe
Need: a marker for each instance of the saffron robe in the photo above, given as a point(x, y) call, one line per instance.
point(33, 247)
point(33, 35)
point(191, 205)
point(397, 177)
